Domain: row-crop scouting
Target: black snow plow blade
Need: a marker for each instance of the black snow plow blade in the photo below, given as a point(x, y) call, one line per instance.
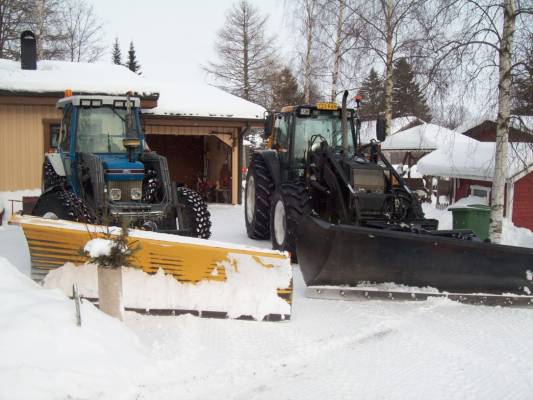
point(355, 258)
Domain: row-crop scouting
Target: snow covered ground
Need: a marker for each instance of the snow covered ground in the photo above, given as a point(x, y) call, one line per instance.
point(329, 350)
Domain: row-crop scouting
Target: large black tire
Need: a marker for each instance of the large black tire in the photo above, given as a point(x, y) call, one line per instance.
point(196, 217)
point(259, 188)
point(62, 204)
point(289, 203)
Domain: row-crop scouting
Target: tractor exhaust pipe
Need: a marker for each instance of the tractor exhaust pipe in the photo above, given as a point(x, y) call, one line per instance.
point(344, 122)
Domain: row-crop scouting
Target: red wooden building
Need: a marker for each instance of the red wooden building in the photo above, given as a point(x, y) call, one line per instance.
point(471, 167)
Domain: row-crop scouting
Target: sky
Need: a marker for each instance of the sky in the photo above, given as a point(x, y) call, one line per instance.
point(178, 36)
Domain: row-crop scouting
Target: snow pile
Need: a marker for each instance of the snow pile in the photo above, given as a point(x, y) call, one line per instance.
point(5, 202)
point(474, 160)
point(56, 76)
point(250, 287)
point(46, 355)
point(98, 247)
point(515, 236)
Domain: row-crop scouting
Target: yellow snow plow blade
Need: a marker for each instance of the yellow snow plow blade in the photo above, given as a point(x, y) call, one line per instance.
point(201, 266)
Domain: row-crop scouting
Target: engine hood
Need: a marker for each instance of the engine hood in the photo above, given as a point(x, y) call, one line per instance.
point(119, 168)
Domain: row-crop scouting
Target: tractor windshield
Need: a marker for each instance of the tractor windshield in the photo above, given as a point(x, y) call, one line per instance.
point(326, 124)
point(101, 130)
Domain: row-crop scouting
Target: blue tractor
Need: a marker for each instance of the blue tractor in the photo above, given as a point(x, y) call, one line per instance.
point(103, 172)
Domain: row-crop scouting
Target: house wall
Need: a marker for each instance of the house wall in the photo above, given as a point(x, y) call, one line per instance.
point(523, 202)
point(462, 188)
point(22, 130)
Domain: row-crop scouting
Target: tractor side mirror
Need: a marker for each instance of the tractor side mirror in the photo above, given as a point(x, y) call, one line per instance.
point(381, 134)
point(269, 119)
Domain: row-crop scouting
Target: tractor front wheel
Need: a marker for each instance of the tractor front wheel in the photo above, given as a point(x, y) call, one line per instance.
point(259, 188)
point(195, 216)
point(289, 204)
point(62, 204)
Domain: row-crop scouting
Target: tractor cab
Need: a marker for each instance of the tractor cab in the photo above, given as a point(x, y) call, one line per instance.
point(294, 129)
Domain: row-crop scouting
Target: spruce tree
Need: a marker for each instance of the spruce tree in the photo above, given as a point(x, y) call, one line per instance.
point(117, 55)
point(132, 62)
point(407, 98)
point(372, 91)
point(285, 89)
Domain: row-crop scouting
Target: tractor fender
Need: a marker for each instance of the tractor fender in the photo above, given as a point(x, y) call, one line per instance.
point(271, 159)
point(57, 163)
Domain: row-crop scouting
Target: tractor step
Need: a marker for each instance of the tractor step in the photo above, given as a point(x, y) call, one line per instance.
point(352, 293)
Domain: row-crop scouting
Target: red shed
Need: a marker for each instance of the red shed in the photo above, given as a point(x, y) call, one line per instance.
point(471, 166)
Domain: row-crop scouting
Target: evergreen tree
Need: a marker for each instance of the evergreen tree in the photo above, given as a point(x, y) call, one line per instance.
point(285, 89)
point(522, 88)
point(373, 93)
point(407, 98)
point(132, 62)
point(117, 55)
point(245, 53)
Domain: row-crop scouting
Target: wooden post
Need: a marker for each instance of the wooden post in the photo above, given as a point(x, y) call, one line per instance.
point(110, 291)
point(235, 169)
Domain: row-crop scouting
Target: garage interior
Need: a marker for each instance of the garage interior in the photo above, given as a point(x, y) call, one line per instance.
point(203, 154)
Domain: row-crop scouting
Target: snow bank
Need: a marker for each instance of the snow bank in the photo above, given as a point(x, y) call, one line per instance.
point(45, 355)
point(5, 202)
point(249, 289)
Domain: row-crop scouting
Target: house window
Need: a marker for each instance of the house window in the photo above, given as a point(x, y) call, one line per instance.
point(480, 191)
point(54, 135)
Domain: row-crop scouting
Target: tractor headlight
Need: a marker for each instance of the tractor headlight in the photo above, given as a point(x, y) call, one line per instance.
point(136, 194)
point(115, 194)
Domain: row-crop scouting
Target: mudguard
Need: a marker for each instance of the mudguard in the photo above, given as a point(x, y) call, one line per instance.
point(343, 255)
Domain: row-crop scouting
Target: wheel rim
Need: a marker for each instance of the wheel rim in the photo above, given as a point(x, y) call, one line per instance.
point(250, 199)
point(279, 222)
point(50, 215)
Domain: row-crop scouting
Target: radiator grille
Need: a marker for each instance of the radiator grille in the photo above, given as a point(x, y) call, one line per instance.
point(125, 188)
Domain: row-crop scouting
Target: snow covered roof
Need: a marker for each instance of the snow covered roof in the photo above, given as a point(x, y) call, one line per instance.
point(56, 76)
point(181, 96)
point(421, 137)
point(368, 128)
point(471, 159)
point(184, 97)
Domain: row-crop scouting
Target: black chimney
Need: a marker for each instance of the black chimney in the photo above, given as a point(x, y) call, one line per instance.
point(28, 50)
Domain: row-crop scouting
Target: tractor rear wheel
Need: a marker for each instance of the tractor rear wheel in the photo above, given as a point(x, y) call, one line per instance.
point(259, 188)
point(196, 217)
point(289, 204)
point(62, 204)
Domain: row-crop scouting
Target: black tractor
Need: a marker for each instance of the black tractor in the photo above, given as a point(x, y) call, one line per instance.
point(342, 210)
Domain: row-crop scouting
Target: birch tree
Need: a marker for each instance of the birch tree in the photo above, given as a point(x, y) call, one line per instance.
point(11, 18)
point(43, 18)
point(308, 25)
point(393, 29)
point(485, 44)
point(244, 51)
point(82, 31)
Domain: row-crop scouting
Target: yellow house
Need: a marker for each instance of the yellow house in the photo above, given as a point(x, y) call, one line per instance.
point(199, 128)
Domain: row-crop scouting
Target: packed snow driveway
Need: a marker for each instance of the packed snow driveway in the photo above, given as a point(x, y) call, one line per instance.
point(329, 350)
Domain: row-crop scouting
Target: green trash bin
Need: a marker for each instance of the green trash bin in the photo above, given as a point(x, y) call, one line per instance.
point(475, 217)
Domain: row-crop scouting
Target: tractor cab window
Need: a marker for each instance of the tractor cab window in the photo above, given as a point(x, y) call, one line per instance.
point(101, 130)
point(281, 133)
point(324, 123)
point(64, 143)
